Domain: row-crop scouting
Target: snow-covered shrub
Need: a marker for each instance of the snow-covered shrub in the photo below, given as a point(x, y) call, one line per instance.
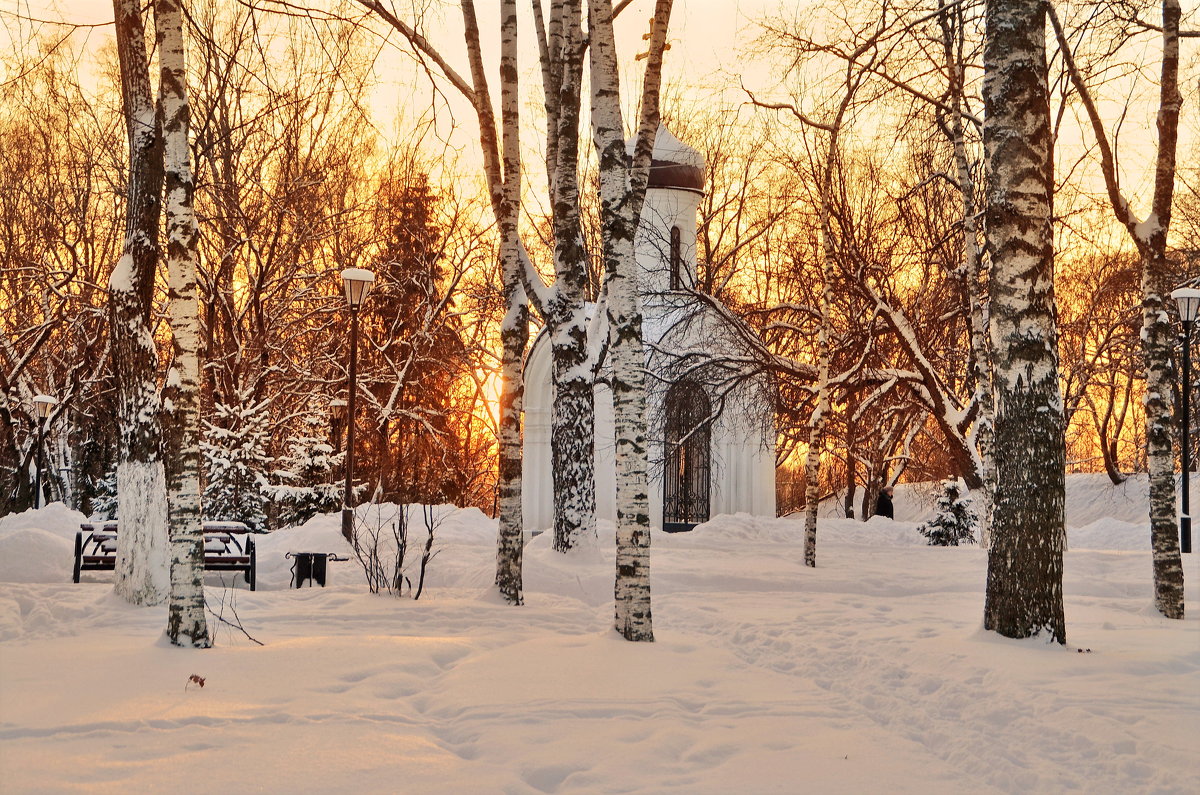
point(305, 482)
point(104, 499)
point(237, 460)
point(955, 520)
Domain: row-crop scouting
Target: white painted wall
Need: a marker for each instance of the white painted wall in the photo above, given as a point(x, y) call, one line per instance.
point(743, 475)
point(662, 210)
point(743, 446)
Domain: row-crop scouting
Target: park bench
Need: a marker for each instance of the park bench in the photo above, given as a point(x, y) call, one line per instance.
point(96, 549)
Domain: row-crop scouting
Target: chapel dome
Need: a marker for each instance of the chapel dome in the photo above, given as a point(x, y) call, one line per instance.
point(675, 165)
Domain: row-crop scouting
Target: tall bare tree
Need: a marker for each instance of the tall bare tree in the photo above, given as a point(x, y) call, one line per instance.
point(1150, 237)
point(186, 624)
point(60, 234)
point(623, 182)
point(505, 181)
point(562, 45)
point(142, 545)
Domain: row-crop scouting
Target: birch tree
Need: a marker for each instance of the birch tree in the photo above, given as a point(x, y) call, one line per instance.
point(954, 122)
point(142, 544)
point(572, 440)
point(858, 63)
point(505, 183)
point(921, 59)
point(502, 168)
point(820, 415)
point(1025, 561)
point(622, 191)
point(186, 624)
point(1149, 235)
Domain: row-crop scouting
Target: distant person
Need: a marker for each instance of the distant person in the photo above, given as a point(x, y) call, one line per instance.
point(883, 505)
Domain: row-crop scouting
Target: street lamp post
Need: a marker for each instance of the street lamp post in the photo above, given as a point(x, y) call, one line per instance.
point(43, 405)
point(357, 283)
point(1188, 299)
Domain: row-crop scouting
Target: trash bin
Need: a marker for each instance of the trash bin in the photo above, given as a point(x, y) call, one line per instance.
point(309, 567)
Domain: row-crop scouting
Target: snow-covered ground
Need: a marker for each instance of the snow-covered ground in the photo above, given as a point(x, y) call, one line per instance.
point(868, 674)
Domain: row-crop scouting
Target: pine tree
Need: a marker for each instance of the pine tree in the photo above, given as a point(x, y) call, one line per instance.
point(306, 482)
point(955, 520)
point(237, 462)
point(414, 359)
point(104, 495)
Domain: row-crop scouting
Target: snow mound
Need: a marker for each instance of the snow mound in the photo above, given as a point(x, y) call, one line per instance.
point(30, 554)
point(1112, 534)
point(56, 519)
point(876, 531)
point(585, 573)
point(746, 528)
point(868, 673)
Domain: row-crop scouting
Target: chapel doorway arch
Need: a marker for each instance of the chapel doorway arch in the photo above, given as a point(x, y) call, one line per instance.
point(688, 457)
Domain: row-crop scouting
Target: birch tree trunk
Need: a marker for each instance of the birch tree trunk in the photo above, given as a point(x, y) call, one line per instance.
point(1158, 334)
point(515, 330)
point(502, 167)
point(1157, 339)
point(973, 271)
point(141, 568)
point(820, 415)
point(622, 191)
point(1150, 237)
point(573, 421)
point(186, 625)
point(1025, 566)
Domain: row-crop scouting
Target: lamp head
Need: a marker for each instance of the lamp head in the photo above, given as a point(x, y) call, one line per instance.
point(337, 407)
point(43, 405)
point(1188, 299)
point(358, 283)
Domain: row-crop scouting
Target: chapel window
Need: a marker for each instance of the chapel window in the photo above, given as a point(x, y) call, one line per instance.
point(676, 260)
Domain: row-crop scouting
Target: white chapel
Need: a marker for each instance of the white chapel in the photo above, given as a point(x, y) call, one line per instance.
point(711, 443)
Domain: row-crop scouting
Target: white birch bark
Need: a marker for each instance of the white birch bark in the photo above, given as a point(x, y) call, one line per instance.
point(141, 568)
point(186, 624)
point(573, 420)
point(820, 415)
point(973, 270)
point(1025, 561)
point(502, 167)
point(622, 191)
point(515, 329)
point(1150, 237)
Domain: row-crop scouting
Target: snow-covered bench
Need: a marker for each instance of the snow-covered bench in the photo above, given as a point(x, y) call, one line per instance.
point(96, 548)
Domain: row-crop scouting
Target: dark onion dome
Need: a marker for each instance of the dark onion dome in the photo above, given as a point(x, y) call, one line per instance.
point(675, 165)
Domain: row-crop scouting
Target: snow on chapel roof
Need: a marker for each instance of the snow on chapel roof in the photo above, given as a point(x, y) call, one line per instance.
point(675, 165)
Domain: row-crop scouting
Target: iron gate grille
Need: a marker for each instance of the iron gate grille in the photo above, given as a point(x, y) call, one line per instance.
point(688, 457)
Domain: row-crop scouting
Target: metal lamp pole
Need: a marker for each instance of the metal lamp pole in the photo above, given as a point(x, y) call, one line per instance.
point(357, 283)
point(43, 404)
point(1188, 299)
